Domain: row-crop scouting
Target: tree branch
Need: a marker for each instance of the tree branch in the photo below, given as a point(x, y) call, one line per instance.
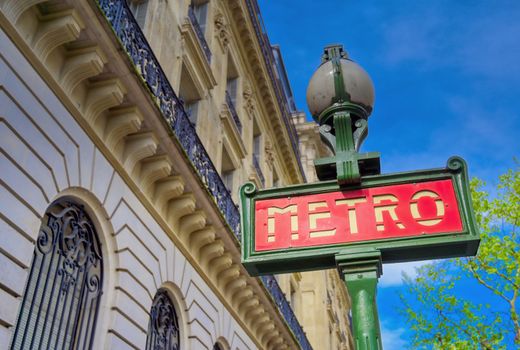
point(485, 284)
point(500, 274)
point(448, 320)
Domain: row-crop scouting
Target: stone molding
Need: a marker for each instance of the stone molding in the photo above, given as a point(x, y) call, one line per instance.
point(100, 92)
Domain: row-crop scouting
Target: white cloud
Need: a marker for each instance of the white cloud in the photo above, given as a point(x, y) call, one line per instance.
point(392, 338)
point(392, 273)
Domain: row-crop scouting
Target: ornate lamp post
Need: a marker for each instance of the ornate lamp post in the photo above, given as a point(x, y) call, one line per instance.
point(340, 97)
point(355, 218)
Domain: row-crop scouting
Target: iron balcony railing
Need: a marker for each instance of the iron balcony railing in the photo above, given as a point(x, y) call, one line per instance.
point(172, 108)
point(290, 318)
point(141, 55)
point(199, 33)
point(233, 112)
point(258, 169)
point(267, 53)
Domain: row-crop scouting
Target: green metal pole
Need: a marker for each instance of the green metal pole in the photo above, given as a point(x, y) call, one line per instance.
point(361, 270)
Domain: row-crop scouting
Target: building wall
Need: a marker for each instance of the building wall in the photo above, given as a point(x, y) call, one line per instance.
point(45, 156)
point(173, 38)
point(79, 120)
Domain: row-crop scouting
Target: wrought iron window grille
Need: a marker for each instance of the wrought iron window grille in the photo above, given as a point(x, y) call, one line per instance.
point(61, 299)
point(163, 327)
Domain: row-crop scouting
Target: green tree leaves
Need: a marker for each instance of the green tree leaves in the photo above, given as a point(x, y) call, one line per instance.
point(437, 305)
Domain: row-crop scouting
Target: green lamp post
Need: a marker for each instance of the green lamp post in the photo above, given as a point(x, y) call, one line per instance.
point(340, 97)
point(355, 218)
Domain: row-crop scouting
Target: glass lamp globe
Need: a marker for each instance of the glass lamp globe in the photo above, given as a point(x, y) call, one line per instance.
point(358, 87)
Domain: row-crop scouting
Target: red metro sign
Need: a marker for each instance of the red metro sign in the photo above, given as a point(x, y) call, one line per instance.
point(356, 216)
point(406, 216)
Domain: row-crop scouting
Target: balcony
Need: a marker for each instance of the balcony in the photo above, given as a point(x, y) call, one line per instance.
point(199, 33)
point(133, 41)
point(290, 318)
point(233, 112)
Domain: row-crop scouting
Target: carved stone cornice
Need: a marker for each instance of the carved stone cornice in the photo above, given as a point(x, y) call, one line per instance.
point(123, 110)
point(244, 30)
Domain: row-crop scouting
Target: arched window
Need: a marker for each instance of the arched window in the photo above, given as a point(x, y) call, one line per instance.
point(61, 299)
point(163, 328)
point(217, 346)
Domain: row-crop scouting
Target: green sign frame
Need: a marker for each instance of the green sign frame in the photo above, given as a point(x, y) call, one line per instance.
point(443, 245)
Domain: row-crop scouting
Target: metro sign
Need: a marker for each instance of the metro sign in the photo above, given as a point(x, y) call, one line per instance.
point(356, 216)
point(407, 216)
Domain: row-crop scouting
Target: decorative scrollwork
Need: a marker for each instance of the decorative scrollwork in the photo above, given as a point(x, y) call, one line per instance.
point(74, 239)
point(248, 96)
point(248, 189)
point(68, 267)
point(327, 137)
point(222, 29)
point(456, 164)
point(45, 239)
point(163, 329)
point(361, 132)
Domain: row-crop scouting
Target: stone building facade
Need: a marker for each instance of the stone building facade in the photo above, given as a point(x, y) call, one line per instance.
point(126, 129)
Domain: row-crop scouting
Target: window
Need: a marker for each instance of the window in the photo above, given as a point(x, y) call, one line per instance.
point(232, 81)
point(227, 178)
point(190, 95)
point(192, 110)
point(163, 327)
point(138, 8)
point(257, 151)
point(228, 171)
point(257, 142)
point(61, 299)
point(200, 9)
point(231, 89)
point(293, 295)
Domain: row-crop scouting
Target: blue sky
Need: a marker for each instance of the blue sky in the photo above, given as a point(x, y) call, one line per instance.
point(447, 82)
